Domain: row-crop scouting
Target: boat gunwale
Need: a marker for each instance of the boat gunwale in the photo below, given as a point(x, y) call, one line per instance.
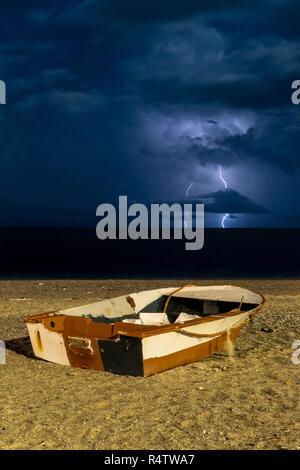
point(139, 331)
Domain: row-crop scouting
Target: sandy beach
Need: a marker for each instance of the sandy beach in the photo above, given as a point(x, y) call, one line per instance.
point(250, 402)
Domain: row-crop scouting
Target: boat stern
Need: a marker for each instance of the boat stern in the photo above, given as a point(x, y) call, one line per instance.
point(46, 344)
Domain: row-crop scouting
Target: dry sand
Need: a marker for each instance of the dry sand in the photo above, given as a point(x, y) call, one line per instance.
point(251, 403)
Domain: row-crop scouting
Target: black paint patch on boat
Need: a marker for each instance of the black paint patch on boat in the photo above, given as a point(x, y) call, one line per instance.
point(123, 356)
point(191, 306)
point(155, 306)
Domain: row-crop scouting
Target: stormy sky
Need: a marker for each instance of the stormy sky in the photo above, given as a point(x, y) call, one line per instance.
point(136, 98)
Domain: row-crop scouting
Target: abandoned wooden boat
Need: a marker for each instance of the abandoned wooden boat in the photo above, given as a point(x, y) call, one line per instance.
point(144, 333)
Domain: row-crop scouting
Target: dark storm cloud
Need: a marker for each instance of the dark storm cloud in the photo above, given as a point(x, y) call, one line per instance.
point(156, 10)
point(273, 140)
point(274, 18)
point(230, 201)
point(181, 57)
point(277, 143)
point(192, 63)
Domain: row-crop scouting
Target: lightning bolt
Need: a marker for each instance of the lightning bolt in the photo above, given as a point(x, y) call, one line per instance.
point(221, 177)
point(223, 220)
point(225, 186)
point(187, 191)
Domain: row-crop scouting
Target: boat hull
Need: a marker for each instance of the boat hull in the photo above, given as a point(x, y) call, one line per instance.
point(130, 349)
point(126, 357)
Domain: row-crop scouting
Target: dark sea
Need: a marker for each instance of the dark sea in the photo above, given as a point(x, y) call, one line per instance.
point(77, 253)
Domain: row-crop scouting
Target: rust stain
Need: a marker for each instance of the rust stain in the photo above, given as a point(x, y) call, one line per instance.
point(38, 341)
point(80, 346)
point(83, 357)
point(131, 302)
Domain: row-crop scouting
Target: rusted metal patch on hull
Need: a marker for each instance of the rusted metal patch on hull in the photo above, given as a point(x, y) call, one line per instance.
point(80, 346)
point(77, 326)
point(83, 353)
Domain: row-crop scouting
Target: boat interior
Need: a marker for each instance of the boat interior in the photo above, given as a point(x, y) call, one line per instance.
point(179, 309)
point(193, 306)
point(165, 306)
